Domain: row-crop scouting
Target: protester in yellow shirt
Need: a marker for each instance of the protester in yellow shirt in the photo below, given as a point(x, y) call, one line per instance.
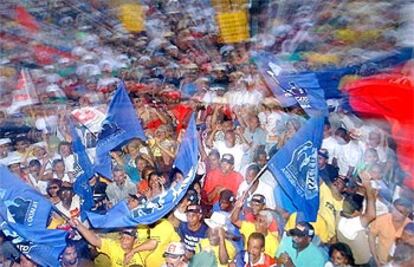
point(117, 251)
point(264, 219)
point(216, 240)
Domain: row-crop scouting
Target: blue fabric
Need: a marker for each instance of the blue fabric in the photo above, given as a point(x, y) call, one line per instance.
point(310, 256)
point(24, 205)
point(24, 214)
point(295, 167)
point(83, 172)
point(120, 125)
point(154, 209)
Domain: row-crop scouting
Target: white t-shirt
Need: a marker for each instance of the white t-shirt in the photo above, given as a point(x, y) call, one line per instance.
point(348, 155)
point(238, 151)
point(262, 189)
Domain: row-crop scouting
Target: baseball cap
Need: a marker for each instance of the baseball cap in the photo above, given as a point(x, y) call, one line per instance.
point(323, 153)
point(130, 231)
point(302, 229)
point(174, 249)
point(217, 220)
point(194, 208)
point(258, 198)
point(228, 158)
point(227, 195)
point(192, 196)
point(4, 141)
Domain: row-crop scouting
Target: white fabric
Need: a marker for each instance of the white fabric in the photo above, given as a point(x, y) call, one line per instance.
point(349, 227)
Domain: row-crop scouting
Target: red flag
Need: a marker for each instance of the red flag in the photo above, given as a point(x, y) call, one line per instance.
point(389, 96)
point(25, 19)
point(25, 93)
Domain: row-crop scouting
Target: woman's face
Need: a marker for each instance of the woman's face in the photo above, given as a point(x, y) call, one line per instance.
point(53, 189)
point(338, 259)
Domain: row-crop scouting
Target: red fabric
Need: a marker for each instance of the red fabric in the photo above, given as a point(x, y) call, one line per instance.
point(268, 261)
point(181, 113)
point(25, 19)
point(215, 178)
point(389, 96)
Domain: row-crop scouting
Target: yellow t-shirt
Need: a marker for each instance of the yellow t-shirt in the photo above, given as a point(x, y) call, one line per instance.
point(271, 240)
point(204, 245)
point(116, 254)
point(325, 224)
point(164, 233)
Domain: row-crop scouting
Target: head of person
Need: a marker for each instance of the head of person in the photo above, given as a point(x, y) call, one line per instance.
point(58, 166)
point(64, 149)
point(227, 163)
point(407, 236)
point(255, 246)
point(401, 209)
point(323, 156)
point(194, 214)
point(132, 148)
point(341, 136)
point(21, 143)
point(257, 203)
point(134, 200)
point(39, 151)
point(53, 187)
point(127, 240)
point(174, 254)
point(403, 255)
point(70, 254)
point(34, 167)
point(327, 130)
point(302, 235)
point(263, 221)
point(141, 163)
point(352, 206)
point(226, 200)
point(253, 122)
point(154, 181)
point(230, 138)
point(65, 194)
point(374, 139)
point(214, 158)
point(4, 147)
point(371, 156)
point(215, 223)
point(118, 176)
point(376, 171)
point(341, 255)
point(251, 173)
point(261, 158)
point(339, 184)
point(192, 197)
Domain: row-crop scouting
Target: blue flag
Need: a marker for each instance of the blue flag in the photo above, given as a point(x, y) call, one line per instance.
point(120, 125)
point(295, 167)
point(83, 172)
point(156, 208)
point(24, 205)
point(24, 215)
point(292, 88)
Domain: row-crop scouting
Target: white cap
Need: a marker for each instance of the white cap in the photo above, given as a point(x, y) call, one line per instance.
point(4, 141)
point(13, 159)
point(217, 220)
point(175, 249)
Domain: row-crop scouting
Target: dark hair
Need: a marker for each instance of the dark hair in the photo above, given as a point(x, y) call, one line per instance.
point(257, 236)
point(215, 153)
point(64, 143)
point(345, 251)
point(54, 181)
point(56, 161)
point(253, 167)
point(355, 202)
point(34, 162)
point(63, 189)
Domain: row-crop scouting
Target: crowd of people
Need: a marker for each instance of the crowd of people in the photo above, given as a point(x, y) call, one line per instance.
point(232, 214)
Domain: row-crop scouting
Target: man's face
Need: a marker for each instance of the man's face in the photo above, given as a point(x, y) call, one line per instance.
point(225, 205)
point(66, 195)
point(339, 185)
point(255, 248)
point(34, 169)
point(21, 146)
point(132, 203)
point(230, 139)
point(250, 175)
point(127, 242)
point(256, 207)
point(374, 139)
point(193, 218)
point(119, 177)
point(321, 161)
point(4, 150)
point(300, 242)
point(226, 167)
point(70, 256)
point(261, 160)
point(213, 236)
point(15, 167)
point(214, 161)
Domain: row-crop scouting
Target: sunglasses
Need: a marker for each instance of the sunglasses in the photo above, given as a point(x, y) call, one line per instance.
point(53, 187)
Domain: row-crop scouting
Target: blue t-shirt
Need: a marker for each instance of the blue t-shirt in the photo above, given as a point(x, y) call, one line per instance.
point(191, 238)
point(312, 255)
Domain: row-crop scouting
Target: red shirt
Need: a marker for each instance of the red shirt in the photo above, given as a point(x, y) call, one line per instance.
point(216, 177)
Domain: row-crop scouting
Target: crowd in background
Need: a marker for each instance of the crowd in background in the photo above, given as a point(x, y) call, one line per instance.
point(178, 67)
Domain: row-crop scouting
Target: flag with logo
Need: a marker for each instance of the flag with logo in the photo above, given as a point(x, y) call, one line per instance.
point(24, 94)
point(24, 215)
point(295, 167)
point(83, 172)
point(120, 125)
point(152, 210)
